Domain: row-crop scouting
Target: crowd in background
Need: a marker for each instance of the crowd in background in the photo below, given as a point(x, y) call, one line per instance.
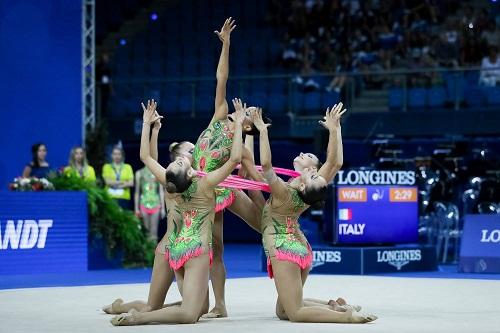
point(353, 35)
point(118, 178)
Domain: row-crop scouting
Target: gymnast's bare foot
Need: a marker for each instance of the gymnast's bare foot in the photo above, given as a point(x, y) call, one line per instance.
point(341, 305)
point(361, 318)
point(113, 308)
point(126, 319)
point(216, 312)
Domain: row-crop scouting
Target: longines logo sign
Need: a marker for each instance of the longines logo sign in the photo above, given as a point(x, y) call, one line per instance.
point(375, 177)
point(399, 258)
point(322, 257)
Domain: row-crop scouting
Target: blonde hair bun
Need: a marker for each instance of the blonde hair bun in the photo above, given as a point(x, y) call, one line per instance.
point(172, 146)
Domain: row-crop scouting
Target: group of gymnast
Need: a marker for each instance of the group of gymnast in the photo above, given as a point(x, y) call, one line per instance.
point(199, 185)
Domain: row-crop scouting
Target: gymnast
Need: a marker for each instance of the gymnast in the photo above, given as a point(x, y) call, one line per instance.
point(190, 243)
point(288, 252)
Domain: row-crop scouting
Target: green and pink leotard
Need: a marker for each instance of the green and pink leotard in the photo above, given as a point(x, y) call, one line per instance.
point(281, 234)
point(149, 202)
point(211, 151)
point(192, 232)
point(171, 203)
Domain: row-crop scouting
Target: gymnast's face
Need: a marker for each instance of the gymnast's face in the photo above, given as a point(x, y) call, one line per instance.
point(186, 150)
point(303, 161)
point(180, 165)
point(248, 121)
point(311, 179)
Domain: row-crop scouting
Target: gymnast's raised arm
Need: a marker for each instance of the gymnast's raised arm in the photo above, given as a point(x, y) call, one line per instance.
point(149, 117)
point(334, 154)
point(221, 107)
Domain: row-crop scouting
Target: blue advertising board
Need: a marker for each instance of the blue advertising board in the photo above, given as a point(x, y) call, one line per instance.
point(480, 247)
point(43, 232)
point(376, 214)
point(370, 260)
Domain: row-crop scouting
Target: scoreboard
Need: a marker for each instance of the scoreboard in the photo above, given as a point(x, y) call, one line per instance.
point(375, 207)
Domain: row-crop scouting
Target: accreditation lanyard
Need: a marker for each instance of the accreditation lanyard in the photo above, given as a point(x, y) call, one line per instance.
point(80, 171)
point(118, 173)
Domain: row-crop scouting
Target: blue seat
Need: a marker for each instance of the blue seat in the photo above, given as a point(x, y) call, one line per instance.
point(278, 86)
point(297, 101)
point(475, 96)
point(312, 101)
point(155, 69)
point(329, 99)
point(396, 98)
point(185, 104)
point(436, 96)
point(206, 88)
point(455, 85)
point(204, 104)
point(139, 68)
point(472, 77)
point(493, 96)
point(277, 103)
point(169, 104)
point(172, 68)
point(417, 98)
point(258, 99)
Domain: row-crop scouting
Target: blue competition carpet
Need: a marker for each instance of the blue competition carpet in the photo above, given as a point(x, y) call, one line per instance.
point(241, 261)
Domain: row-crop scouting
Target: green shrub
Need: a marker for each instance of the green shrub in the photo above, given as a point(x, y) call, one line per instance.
point(119, 228)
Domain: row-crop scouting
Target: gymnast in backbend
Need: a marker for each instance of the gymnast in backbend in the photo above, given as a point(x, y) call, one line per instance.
point(190, 244)
point(288, 252)
point(211, 151)
point(162, 275)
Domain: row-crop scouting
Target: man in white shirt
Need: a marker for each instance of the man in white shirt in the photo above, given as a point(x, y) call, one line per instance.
point(490, 68)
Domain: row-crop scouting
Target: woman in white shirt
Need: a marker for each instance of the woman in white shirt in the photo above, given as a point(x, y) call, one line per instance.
point(490, 68)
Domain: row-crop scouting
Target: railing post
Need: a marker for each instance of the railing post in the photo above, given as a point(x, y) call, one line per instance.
point(291, 96)
point(405, 93)
point(456, 87)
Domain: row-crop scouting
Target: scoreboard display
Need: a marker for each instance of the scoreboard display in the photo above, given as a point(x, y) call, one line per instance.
point(376, 207)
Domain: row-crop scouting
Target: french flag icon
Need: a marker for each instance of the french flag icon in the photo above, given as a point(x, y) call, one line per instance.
point(345, 214)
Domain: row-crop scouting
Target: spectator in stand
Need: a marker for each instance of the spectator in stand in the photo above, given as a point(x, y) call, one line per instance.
point(468, 17)
point(297, 23)
point(119, 177)
point(38, 167)
point(491, 36)
point(490, 68)
point(290, 55)
point(79, 166)
point(306, 78)
point(482, 21)
point(471, 54)
point(339, 80)
point(447, 49)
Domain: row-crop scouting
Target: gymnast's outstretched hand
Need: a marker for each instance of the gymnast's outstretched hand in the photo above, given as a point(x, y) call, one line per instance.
point(240, 108)
point(258, 121)
point(331, 120)
point(157, 123)
point(150, 115)
point(225, 32)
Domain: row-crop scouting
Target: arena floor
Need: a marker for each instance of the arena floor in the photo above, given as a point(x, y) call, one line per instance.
point(402, 304)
